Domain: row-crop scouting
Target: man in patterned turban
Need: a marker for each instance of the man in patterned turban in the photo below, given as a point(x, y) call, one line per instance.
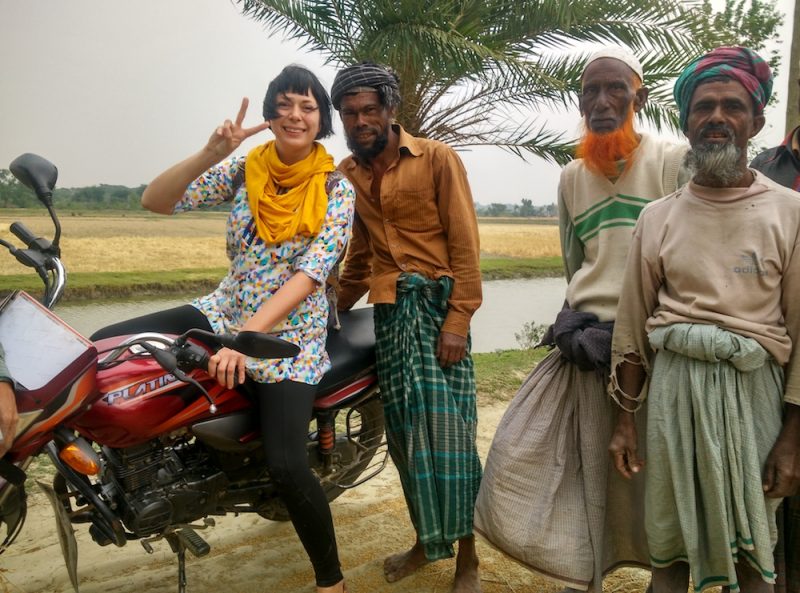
point(709, 315)
point(719, 146)
point(415, 248)
point(738, 64)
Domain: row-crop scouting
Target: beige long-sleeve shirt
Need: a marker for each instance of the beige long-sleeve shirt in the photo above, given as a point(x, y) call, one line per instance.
point(725, 257)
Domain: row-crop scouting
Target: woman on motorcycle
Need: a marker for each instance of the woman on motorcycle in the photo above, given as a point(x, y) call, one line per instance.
point(290, 220)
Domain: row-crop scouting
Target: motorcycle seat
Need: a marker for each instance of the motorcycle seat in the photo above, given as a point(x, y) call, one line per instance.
point(351, 349)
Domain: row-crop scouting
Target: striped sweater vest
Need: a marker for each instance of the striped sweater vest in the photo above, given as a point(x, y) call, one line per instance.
point(603, 215)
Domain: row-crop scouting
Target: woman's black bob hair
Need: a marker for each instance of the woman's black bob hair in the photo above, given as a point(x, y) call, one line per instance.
point(300, 80)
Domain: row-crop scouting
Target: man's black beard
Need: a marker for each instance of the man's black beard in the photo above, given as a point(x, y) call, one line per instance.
point(365, 154)
point(715, 165)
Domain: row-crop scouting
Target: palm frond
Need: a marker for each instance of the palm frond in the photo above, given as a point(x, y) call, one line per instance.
point(469, 67)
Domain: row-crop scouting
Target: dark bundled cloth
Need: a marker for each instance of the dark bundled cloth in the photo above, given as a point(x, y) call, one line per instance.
point(582, 339)
point(360, 76)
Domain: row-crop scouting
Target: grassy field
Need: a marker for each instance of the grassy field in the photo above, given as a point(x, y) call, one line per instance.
point(115, 255)
point(542, 220)
point(130, 243)
point(520, 240)
point(499, 374)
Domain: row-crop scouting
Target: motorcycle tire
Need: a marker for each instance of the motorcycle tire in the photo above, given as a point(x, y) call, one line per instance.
point(12, 515)
point(347, 469)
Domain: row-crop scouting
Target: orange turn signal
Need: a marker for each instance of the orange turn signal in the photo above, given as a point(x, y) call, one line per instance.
point(79, 459)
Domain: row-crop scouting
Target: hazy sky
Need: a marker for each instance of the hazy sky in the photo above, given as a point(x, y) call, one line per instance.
point(115, 91)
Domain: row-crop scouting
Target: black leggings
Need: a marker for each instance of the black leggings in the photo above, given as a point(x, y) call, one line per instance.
point(285, 411)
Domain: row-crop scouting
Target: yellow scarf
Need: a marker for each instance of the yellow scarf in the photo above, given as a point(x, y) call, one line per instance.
point(299, 211)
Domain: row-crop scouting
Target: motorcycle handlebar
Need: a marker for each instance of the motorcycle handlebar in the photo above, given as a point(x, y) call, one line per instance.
point(32, 259)
point(249, 343)
point(40, 244)
point(22, 233)
point(190, 356)
point(180, 357)
point(41, 255)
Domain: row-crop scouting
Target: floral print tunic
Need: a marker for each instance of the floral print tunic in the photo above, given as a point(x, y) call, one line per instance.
point(258, 270)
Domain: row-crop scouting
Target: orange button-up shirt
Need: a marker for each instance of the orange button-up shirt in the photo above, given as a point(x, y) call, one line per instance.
point(423, 221)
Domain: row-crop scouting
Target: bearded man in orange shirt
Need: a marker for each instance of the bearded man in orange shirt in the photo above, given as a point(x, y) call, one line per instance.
point(415, 248)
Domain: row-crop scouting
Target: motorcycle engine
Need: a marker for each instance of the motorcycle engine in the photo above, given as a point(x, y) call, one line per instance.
point(155, 486)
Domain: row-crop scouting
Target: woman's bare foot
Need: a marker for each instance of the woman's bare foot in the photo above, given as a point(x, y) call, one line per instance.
point(339, 587)
point(467, 579)
point(399, 566)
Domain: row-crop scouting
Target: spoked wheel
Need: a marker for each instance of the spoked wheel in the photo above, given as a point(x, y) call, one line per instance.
point(360, 436)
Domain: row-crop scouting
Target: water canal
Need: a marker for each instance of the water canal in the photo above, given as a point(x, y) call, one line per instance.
point(507, 306)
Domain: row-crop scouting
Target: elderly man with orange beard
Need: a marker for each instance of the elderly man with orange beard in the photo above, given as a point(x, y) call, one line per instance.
point(547, 479)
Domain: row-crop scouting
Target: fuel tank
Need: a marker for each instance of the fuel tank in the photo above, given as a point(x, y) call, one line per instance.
point(140, 401)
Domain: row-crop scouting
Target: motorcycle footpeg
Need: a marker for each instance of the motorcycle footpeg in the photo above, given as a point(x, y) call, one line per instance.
point(193, 542)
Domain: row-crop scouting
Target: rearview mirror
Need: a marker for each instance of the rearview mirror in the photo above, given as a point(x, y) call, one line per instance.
point(36, 173)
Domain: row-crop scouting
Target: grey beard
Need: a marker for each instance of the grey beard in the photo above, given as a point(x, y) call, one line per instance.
point(715, 165)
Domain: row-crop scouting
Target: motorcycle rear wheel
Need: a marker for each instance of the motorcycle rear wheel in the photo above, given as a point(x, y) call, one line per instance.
point(366, 428)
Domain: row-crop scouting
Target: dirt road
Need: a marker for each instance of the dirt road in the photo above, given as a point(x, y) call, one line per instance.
point(252, 555)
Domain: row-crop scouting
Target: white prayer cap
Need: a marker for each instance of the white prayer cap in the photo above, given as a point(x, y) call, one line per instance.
point(616, 52)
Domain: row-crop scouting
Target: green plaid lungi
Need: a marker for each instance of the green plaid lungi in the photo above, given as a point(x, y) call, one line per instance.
point(715, 408)
point(431, 414)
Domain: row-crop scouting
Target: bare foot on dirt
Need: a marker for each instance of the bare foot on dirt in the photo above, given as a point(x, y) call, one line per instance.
point(467, 579)
point(399, 566)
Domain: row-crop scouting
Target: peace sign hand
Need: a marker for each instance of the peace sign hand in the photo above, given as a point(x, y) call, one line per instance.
point(227, 137)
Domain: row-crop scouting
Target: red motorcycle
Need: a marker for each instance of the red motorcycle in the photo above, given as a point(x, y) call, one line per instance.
point(145, 444)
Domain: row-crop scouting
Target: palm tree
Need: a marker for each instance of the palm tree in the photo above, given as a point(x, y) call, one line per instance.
point(471, 70)
point(793, 102)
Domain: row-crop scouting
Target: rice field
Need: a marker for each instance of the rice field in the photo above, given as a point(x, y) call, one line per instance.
point(146, 243)
point(519, 240)
point(129, 243)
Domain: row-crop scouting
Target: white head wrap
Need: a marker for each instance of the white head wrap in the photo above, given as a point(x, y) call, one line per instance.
point(616, 52)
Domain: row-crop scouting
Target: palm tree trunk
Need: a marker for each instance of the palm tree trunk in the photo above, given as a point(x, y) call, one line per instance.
point(793, 100)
